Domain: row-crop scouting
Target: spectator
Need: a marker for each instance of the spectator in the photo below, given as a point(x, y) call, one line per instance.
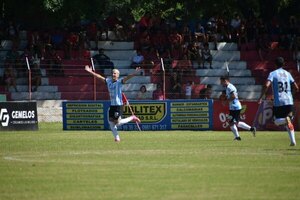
point(142, 94)
point(235, 26)
point(115, 25)
point(12, 31)
point(175, 86)
point(158, 94)
point(193, 52)
point(102, 61)
point(92, 34)
point(222, 96)
point(138, 59)
point(206, 55)
point(36, 75)
point(145, 22)
point(242, 36)
point(57, 39)
point(205, 93)
point(188, 90)
point(10, 77)
point(175, 40)
point(53, 61)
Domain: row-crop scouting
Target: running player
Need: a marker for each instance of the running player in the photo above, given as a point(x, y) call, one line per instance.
point(235, 108)
point(114, 86)
point(282, 82)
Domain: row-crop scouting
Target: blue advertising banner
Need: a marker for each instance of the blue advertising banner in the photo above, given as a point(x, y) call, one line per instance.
point(155, 115)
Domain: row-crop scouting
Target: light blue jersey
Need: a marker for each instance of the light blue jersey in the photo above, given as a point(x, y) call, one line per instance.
point(234, 104)
point(115, 91)
point(281, 84)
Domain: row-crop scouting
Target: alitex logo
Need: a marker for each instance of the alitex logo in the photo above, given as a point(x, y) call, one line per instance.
point(4, 117)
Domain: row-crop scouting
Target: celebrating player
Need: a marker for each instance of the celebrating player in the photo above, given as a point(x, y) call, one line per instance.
point(235, 108)
point(114, 86)
point(282, 81)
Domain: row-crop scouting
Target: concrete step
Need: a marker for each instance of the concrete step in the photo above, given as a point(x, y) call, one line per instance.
point(42, 88)
point(35, 95)
point(117, 54)
point(233, 80)
point(24, 81)
point(222, 72)
point(224, 46)
point(114, 45)
point(223, 65)
point(225, 55)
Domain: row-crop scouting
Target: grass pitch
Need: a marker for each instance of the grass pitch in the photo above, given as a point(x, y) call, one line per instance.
point(56, 164)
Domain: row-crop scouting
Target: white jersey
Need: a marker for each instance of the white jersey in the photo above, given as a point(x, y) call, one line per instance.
point(115, 91)
point(281, 84)
point(234, 104)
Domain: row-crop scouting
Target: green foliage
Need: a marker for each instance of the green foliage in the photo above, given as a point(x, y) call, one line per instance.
point(43, 12)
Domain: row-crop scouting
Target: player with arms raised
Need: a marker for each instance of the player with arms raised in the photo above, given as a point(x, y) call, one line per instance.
point(114, 86)
point(282, 82)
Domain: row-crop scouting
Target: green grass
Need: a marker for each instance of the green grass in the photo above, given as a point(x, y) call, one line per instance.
point(56, 164)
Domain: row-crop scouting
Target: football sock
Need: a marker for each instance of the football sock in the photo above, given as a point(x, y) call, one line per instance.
point(114, 129)
point(235, 130)
point(280, 121)
point(291, 134)
point(125, 120)
point(243, 125)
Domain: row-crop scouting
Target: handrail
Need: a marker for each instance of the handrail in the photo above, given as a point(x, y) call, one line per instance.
point(29, 78)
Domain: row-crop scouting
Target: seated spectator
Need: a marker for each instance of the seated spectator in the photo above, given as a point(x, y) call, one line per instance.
point(188, 90)
point(138, 59)
point(36, 75)
point(12, 31)
point(205, 93)
point(72, 43)
point(193, 53)
point(206, 55)
point(92, 34)
point(115, 25)
point(175, 40)
point(158, 94)
point(10, 77)
point(142, 94)
point(159, 41)
point(57, 39)
point(145, 22)
point(53, 61)
point(102, 61)
point(176, 87)
point(222, 96)
point(144, 41)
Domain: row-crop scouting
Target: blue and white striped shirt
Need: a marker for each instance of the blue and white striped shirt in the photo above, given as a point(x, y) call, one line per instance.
point(281, 84)
point(115, 91)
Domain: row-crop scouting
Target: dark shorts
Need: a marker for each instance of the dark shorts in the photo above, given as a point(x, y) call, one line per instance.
point(115, 112)
point(234, 115)
point(282, 111)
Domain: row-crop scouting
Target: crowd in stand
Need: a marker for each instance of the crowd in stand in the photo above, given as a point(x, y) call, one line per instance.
point(154, 37)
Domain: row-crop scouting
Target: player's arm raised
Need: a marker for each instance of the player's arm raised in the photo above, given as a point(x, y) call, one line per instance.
point(89, 69)
point(137, 70)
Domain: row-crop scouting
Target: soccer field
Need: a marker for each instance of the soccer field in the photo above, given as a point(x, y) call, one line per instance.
point(56, 164)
